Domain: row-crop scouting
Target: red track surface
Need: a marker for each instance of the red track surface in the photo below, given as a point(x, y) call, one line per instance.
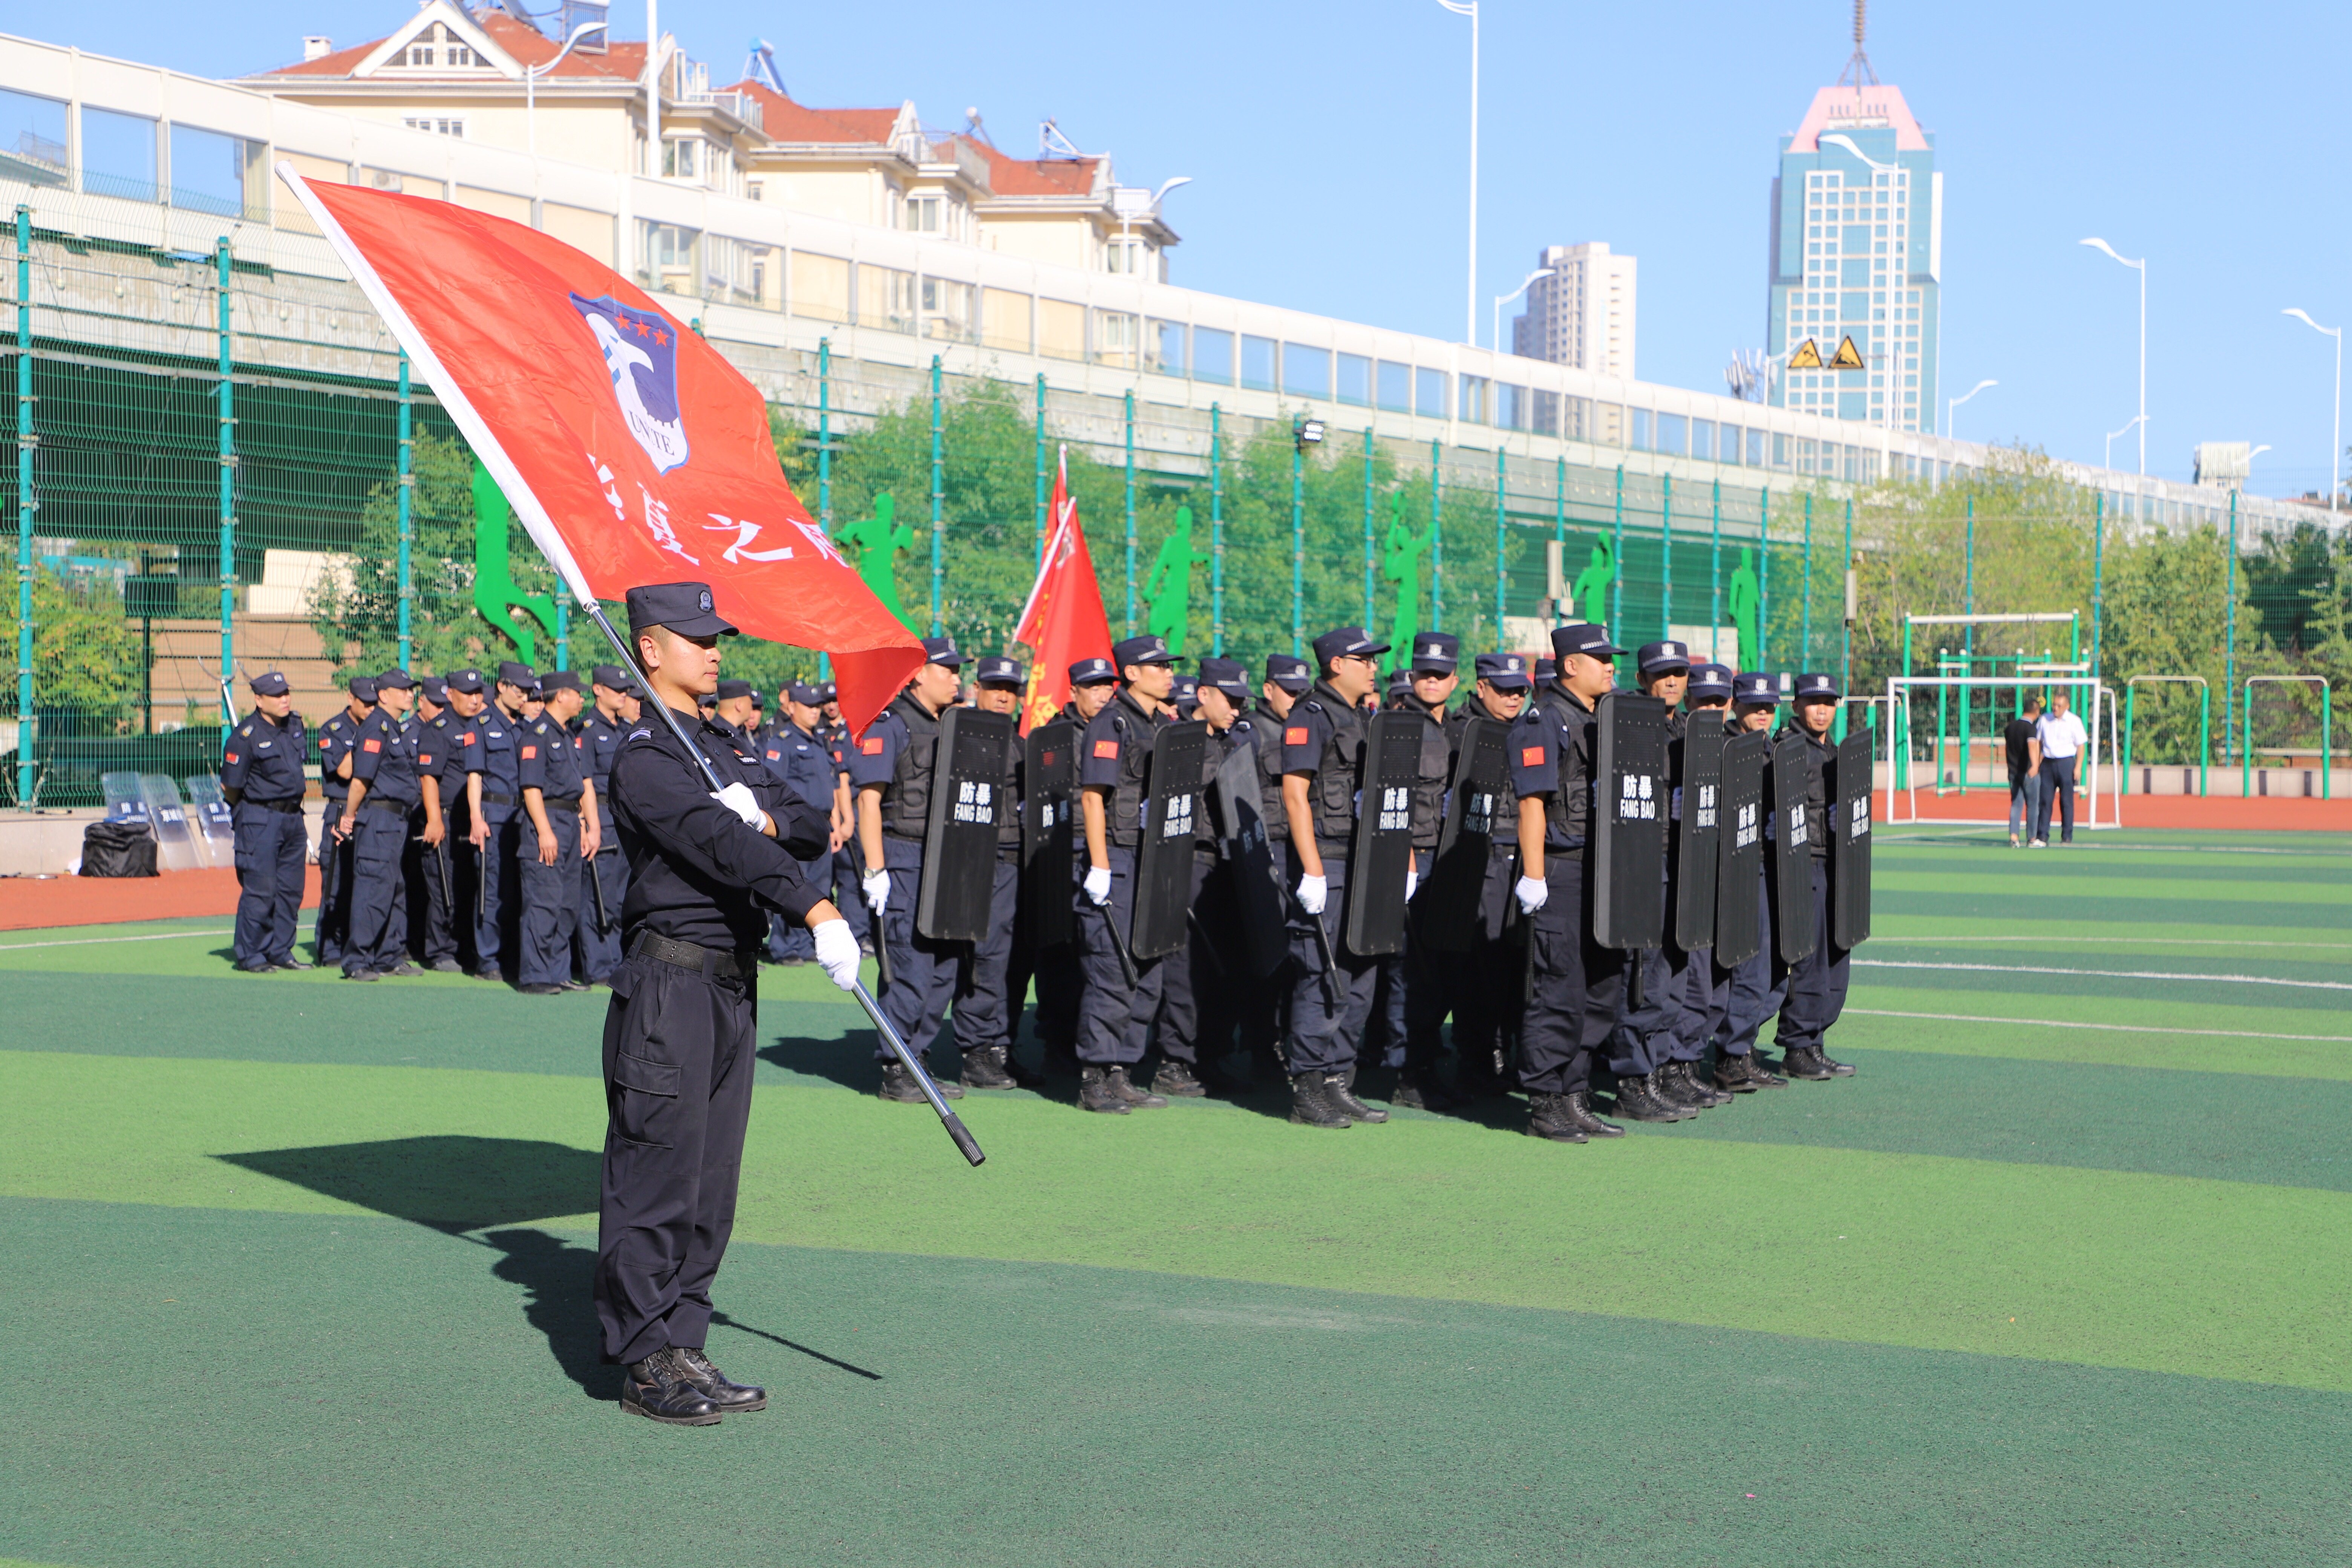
point(2147, 811)
point(27, 902)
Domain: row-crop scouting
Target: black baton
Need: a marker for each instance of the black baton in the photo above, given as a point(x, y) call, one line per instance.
point(1119, 945)
point(596, 886)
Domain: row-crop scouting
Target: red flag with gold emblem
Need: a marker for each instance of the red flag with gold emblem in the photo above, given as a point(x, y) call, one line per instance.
point(1064, 620)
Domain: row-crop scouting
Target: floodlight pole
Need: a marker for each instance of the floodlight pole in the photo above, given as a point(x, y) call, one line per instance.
point(1470, 279)
point(2336, 439)
point(24, 444)
point(1216, 531)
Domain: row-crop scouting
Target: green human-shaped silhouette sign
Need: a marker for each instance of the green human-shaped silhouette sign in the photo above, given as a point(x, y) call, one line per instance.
point(1400, 564)
point(494, 593)
point(877, 541)
point(1747, 602)
point(1591, 595)
point(1170, 585)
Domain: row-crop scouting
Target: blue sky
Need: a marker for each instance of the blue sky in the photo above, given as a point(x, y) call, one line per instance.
point(1327, 144)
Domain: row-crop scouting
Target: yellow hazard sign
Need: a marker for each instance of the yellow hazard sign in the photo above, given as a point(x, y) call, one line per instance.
point(1847, 357)
point(1807, 357)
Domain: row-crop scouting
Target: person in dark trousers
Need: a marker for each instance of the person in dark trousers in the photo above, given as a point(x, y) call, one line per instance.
point(893, 770)
point(496, 830)
point(986, 1010)
point(2023, 748)
point(1817, 982)
point(1114, 1013)
point(804, 765)
point(1483, 989)
point(681, 1031)
point(1706, 996)
point(1417, 978)
point(846, 874)
point(448, 771)
point(337, 736)
point(599, 733)
point(381, 797)
point(1323, 767)
point(2060, 739)
point(561, 824)
point(1576, 984)
point(1060, 979)
point(1753, 991)
point(1196, 1013)
point(1262, 1011)
point(261, 779)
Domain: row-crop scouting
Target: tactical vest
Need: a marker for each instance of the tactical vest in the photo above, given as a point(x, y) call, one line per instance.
point(1338, 771)
point(1137, 730)
point(1265, 734)
point(1436, 767)
point(1820, 755)
point(907, 798)
point(1569, 810)
point(1010, 796)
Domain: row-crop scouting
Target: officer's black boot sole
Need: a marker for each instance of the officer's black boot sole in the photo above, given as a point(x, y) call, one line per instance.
point(695, 1413)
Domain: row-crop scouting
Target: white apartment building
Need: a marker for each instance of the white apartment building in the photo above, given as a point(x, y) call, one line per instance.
point(1581, 315)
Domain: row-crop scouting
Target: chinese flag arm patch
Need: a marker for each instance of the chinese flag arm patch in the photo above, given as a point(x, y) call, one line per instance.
point(374, 746)
point(1106, 748)
point(232, 756)
point(1295, 736)
point(871, 746)
point(1531, 756)
point(528, 752)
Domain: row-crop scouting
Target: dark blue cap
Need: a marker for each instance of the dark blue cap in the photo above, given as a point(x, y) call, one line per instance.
point(1504, 671)
point(1289, 671)
point(1227, 676)
point(1185, 687)
point(513, 674)
point(1400, 681)
point(1755, 689)
point(435, 689)
point(802, 692)
point(1710, 682)
point(686, 608)
point(1547, 669)
point(395, 680)
point(827, 691)
point(730, 690)
point(1347, 642)
point(559, 680)
point(1436, 651)
point(611, 677)
point(269, 683)
point(466, 680)
point(363, 687)
point(1813, 688)
point(1140, 650)
point(1092, 672)
point(1663, 657)
point(1584, 637)
point(942, 651)
point(998, 670)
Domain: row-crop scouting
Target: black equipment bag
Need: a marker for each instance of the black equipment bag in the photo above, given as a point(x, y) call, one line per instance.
point(1477, 800)
point(1048, 848)
point(1697, 859)
point(1792, 848)
point(959, 838)
point(1381, 851)
point(1739, 851)
point(117, 849)
point(1630, 812)
point(1253, 873)
point(1849, 831)
point(1163, 860)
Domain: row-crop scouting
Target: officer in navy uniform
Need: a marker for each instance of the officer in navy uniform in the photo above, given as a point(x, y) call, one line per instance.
point(496, 832)
point(261, 779)
point(337, 736)
point(1419, 992)
point(448, 755)
point(1577, 984)
point(1817, 982)
point(1323, 766)
point(1752, 992)
point(1061, 981)
point(1114, 774)
point(1260, 1011)
point(381, 797)
point(738, 708)
point(1707, 994)
point(560, 822)
point(1195, 1028)
point(844, 876)
point(986, 1010)
point(682, 1028)
point(892, 768)
point(599, 733)
point(804, 765)
point(1485, 995)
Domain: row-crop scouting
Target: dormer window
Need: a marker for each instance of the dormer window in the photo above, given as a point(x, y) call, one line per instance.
point(437, 47)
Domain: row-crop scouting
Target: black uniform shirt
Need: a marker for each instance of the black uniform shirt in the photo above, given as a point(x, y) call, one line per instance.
point(549, 759)
point(263, 761)
point(802, 763)
point(386, 758)
point(447, 749)
point(337, 736)
point(697, 872)
point(598, 737)
point(498, 732)
point(1551, 754)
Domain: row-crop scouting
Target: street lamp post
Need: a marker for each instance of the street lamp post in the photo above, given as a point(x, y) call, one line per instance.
point(1470, 283)
point(2107, 454)
point(530, 76)
point(2139, 267)
point(1503, 300)
point(2335, 440)
point(1963, 397)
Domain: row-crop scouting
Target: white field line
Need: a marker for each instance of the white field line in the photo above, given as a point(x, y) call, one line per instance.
point(2109, 974)
point(2161, 941)
point(94, 940)
point(2116, 1028)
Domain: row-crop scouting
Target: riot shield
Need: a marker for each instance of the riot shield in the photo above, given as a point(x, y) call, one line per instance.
point(215, 823)
point(177, 847)
point(1739, 851)
point(959, 838)
point(1849, 780)
point(1699, 799)
point(1163, 860)
point(1048, 885)
point(1792, 848)
point(1381, 851)
point(1448, 904)
point(1630, 813)
point(1256, 875)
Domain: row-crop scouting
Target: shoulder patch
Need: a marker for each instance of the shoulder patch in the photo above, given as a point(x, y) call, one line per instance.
point(871, 746)
point(232, 756)
point(373, 744)
point(1530, 756)
point(1106, 748)
point(641, 734)
point(246, 731)
point(1295, 736)
point(529, 752)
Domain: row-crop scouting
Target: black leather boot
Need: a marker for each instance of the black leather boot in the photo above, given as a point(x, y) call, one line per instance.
point(658, 1389)
point(1741, 1075)
point(1549, 1117)
point(1095, 1093)
point(1115, 1078)
point(1417, 1088)
point(1579, 1110)
point(1808, 1063)
point(1638, 1100)
point(728, 1396)
point(1177, 1080)
point(900, 1085)
point(1310, 1104)
point(1341, 1092)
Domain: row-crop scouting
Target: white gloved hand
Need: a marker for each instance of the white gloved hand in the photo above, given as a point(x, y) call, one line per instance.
point(1099, 885)
point(1533, 893)
point(877, 887)
point(1411, 881)
point(836, 950)
point(738, 799)
point(1312, 892)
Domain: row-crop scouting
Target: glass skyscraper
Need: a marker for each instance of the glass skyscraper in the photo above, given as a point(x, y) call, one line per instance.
point(1857, 250)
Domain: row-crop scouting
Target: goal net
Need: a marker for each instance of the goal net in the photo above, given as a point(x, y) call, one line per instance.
point(1937, 748)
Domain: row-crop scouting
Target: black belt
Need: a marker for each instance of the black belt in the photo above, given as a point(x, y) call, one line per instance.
point(708, 960)
point(570, 803)
point(292, 807)
point(490, 799)
point(403, 806)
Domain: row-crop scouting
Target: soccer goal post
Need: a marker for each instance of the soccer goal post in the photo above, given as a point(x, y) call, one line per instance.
point(2100, 785)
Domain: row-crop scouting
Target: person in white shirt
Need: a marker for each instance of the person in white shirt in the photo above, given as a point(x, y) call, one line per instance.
point(2063, 738)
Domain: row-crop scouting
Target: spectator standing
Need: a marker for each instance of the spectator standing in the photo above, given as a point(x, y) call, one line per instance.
point(2061, 738)
point(2025, 768)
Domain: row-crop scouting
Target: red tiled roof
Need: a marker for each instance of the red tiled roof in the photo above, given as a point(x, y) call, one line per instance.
point(785, 120)
point(1036, 176)
point(528, 45)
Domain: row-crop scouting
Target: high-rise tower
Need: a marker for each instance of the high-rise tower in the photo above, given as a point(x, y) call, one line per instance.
point(1857, 250)
point(1582, 314)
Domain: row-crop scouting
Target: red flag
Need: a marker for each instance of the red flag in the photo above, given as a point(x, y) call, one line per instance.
point(1064, 620)
point(632, 451)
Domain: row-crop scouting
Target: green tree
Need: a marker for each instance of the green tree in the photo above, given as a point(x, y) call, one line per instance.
point(86, 652)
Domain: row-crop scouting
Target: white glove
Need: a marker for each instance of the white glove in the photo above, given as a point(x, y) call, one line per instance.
point(1411, 881)
point(738, 799)
point(836, 950)
point(1099, 885)
point(1312, 892)
point(877, 885)
point(1533, 892)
